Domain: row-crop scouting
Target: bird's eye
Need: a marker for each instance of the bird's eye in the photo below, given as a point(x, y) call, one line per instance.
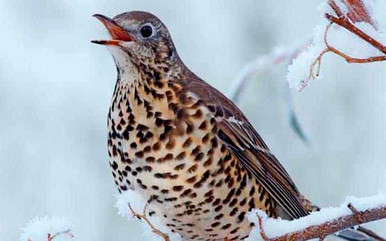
point(146, 31)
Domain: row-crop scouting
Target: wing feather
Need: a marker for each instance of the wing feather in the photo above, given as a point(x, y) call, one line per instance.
point(243, 142)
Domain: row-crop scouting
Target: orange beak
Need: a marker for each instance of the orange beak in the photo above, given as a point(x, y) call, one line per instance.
point(117, 33)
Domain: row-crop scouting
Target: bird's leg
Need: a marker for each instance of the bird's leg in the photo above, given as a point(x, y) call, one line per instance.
point(143, 216)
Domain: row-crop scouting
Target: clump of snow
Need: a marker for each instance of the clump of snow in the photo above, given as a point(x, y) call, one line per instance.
point(137, 203)
point(277, 227)
point(252, 217)
point(299, 71)
point(38, 229)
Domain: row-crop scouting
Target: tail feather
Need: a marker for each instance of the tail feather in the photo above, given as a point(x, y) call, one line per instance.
point(354, 235)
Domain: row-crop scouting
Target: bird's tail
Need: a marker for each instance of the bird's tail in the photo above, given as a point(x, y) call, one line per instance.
point(355, 235)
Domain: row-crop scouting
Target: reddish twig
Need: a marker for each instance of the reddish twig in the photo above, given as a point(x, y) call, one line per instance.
point(357, 12)
point(347, 21)
point(348, 58)
point(144, 217)
point(67, 232)
point(262, 233)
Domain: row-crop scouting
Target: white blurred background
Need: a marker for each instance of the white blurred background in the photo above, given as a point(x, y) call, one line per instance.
point(55, 89)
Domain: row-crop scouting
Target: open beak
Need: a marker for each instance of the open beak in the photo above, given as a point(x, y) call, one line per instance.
point(117, 33)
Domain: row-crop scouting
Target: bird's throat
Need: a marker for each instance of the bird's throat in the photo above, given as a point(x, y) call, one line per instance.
point(127, 72)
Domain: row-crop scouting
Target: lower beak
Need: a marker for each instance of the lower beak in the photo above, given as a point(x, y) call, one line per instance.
point(117, 33)
point(106, 42)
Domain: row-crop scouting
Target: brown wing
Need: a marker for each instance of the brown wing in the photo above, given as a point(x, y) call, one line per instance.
point(243, 142)
point(250, 150)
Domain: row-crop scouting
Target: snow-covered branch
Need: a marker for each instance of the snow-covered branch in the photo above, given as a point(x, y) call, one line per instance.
point(349, 30)
point(353, 212)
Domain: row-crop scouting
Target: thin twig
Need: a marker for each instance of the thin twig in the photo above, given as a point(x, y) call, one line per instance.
point(344, 22)
point(336, 9)
point(348, 58)
point(66, 232)
point(262, 233)
point(355, 212)
point(143, 217)
point(330, 48)
point(357, 13)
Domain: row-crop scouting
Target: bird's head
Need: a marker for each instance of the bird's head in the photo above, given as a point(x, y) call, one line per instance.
point(141, 36)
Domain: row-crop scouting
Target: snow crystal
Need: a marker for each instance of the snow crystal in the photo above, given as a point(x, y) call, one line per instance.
point(278, 227)
point(137, 203)
point(38, 229)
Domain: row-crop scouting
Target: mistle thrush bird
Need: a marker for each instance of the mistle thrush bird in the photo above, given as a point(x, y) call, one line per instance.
point(184, 146)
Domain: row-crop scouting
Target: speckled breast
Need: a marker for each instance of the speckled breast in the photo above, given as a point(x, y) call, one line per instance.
point(162, 143)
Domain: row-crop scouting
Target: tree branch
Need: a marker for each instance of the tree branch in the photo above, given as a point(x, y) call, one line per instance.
point(357, 13)
point(322, 230)
point(344, 22)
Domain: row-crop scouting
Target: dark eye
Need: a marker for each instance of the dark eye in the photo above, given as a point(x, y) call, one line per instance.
point(146, 31)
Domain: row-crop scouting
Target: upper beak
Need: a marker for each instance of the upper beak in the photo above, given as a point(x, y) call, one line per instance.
point(117, 32)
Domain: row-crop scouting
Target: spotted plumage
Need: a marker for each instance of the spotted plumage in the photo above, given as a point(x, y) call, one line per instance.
point(183, 145)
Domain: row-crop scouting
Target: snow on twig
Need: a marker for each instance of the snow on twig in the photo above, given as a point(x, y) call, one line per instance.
point(354, 211)
point(47, 229)
point(349, 30)
point(133, 206)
